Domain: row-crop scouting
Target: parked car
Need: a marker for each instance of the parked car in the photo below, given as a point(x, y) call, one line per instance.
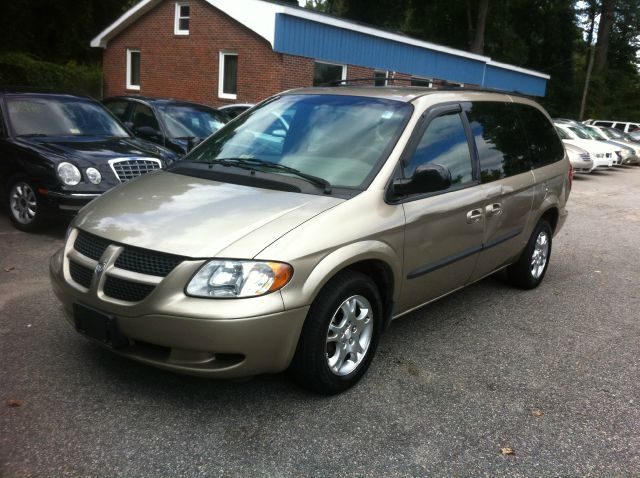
point(625, 126)
point(624, 139)
point(579, 158)
point(234, 110)
point(174, 124)
point(635, 135)
point(58, 152)
point(270, 248)
point(602, 154)
point(626, 154)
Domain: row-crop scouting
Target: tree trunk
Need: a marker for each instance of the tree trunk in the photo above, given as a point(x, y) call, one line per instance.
point(602, 47)
point(477, 45)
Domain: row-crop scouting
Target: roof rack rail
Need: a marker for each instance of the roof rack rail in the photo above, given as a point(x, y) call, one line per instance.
point(441, 85)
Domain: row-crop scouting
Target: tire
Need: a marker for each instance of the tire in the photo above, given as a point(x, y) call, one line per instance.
point(22, 205)
point(530, 269)
point(340, 335)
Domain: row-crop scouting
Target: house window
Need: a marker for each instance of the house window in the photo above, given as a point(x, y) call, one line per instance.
point(228, 80)
point(380, 78)
point(417, 81)
point(181, 26)
point(133, 69)
point(324, 74)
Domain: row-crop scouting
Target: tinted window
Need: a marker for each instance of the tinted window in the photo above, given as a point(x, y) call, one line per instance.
point(545, 146)
point(118, 108)
point(603, 123)
point(499, 139)
point(143, 116)
point(444, 142)
point(325, 74)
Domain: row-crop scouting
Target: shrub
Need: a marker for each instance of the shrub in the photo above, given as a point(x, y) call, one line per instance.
point(22, 72)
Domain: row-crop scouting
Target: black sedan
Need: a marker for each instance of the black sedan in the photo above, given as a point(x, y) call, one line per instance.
point(57, 152)
point(174, 124)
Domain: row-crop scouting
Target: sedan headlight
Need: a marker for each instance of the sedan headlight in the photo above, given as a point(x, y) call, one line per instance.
point(69, 174)
point(235, 279)
point(93, 175)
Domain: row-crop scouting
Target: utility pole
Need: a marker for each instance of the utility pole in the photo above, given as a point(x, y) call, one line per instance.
point(587, 80)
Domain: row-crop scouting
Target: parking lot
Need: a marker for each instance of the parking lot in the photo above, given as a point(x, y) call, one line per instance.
point(552, 374)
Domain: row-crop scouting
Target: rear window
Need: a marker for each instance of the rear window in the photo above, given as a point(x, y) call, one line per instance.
point(545, 146)
point(499, 139)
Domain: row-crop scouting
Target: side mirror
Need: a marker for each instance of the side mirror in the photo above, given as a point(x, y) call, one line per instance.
point(427, 178)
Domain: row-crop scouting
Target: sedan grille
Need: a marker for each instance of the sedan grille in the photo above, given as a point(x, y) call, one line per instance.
point(129, 168)
point(585, 156)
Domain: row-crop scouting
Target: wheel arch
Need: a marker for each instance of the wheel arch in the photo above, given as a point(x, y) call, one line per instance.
point(375, 259)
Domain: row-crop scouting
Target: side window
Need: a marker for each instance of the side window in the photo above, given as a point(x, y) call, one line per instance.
point(118, 108)
point(499, 139)
point(143, 116)
point(444, 142)
point(608, 124)
point(545, 145)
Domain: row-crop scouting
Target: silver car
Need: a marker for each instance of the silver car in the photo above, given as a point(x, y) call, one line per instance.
point(293, 236)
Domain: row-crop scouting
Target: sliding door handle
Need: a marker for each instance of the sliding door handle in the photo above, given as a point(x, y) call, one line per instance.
point(474, 216)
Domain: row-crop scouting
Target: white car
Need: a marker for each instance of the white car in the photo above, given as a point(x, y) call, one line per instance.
point(624, 139)
point(579, 158)
point(602, 154)
point(626, 155)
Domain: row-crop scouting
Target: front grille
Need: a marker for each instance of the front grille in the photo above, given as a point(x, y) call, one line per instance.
point(585, 156)
point(90, 245)
point(141, 261)
point(80, 274)
point(126, 290)
point(127, 169)
point(147, 262)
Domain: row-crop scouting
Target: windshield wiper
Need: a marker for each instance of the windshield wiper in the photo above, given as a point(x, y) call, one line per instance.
point(252, 163)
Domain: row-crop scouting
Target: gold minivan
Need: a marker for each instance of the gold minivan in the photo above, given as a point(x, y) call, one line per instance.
point(290, 238)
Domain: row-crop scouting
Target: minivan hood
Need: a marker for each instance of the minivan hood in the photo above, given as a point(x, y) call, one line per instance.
point(198, 218)
point(593, 146)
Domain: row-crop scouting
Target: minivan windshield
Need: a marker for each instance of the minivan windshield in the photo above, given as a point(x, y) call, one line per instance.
point(579, 132)
point(51, 116)
point(336, 140)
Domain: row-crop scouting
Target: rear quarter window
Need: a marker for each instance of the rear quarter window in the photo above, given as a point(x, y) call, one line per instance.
point(499, 139)
point(545, 146)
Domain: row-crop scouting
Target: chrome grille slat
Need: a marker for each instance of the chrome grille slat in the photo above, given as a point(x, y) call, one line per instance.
point(128, 168)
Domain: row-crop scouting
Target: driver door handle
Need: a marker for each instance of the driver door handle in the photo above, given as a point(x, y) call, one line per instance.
point(494, 209)
point(474, 216)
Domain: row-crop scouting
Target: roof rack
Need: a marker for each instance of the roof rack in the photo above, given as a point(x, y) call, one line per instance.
point(443, 85)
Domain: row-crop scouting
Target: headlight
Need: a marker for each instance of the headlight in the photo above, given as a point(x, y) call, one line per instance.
point(69, 174)
point(235, 279)
point(93, 175)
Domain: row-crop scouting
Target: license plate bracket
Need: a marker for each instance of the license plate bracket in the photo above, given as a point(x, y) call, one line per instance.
point(98, 326)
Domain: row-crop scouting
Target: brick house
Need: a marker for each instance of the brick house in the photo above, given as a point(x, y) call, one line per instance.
point(241, 51)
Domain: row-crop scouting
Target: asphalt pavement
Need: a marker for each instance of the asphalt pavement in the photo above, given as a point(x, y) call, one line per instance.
point(552, 374)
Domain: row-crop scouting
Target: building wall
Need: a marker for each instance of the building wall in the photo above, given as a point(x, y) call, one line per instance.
point(186, 67)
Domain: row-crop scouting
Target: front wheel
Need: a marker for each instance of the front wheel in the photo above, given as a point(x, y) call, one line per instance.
point(340, 335)
point(23, 206)
point(530, 269)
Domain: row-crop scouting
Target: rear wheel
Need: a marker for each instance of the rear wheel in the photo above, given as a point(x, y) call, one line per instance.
point(340, 335)
point(530, 269)
point(22, 204)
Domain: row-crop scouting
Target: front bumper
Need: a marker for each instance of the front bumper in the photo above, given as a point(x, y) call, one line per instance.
point(170, 331)
point(66, 201)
